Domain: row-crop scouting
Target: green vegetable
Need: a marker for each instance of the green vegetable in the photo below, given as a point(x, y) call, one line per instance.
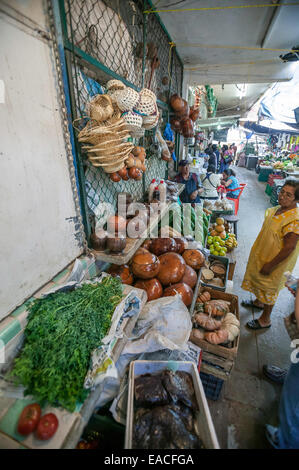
point(62, 331)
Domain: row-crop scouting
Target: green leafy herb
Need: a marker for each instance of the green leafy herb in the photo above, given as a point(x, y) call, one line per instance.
point(62, 331)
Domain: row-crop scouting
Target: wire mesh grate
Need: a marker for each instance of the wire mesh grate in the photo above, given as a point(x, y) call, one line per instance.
point(111, 33)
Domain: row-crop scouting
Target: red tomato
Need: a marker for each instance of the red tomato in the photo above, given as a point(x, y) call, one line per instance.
point(47, 427)
point(29, 419)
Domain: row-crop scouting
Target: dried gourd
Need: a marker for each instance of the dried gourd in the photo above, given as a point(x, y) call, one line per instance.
point(216, 337)
point(207, 322)
point(217, 308)
point(204, 297)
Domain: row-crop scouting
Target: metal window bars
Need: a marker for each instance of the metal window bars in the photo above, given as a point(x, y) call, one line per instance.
point(104, 40)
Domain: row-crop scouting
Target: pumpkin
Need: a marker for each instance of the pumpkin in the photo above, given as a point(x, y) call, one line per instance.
point(207, 322)
point(204, 297)
point(216, 337)
point(217, 308)
point(220, 228)
point(220, 221)
point(196, 334)
point(232, 325)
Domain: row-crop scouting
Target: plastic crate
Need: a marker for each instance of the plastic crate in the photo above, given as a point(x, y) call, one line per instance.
point(268, 190)
point(212, 385)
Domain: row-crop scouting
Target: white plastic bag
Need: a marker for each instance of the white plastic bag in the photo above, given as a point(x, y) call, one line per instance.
point(163, 324)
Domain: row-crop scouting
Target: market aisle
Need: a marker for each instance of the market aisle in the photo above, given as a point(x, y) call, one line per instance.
point(248, 401)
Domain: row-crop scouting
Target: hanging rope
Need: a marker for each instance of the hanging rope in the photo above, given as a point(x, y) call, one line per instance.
point(172, 45)
point(185, 10)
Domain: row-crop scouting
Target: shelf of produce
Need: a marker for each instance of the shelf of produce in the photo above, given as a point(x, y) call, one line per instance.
point(134, 243)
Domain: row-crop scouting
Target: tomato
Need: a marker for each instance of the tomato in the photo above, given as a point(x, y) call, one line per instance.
point(29, 419)
point(47, 427)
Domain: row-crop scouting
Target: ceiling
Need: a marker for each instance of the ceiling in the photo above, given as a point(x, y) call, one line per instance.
point(228, 46)
point(229, 101)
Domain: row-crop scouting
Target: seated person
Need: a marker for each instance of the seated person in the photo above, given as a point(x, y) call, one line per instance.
point(192, 186)
point(230, 182)
point(210, 182)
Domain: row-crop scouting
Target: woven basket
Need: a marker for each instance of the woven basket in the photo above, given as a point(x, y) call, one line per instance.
point(133, 120)
point(138, 133)
point(113, 85)
point(100, 108)
point(111, 149)
point(146, 105)
point(126, 99)
point(149, 122)
point(148, 93)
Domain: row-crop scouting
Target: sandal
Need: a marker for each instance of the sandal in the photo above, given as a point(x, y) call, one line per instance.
point(250, 303)
point(254, 325)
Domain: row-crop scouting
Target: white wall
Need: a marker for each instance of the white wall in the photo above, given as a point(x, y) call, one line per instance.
point(36, 240)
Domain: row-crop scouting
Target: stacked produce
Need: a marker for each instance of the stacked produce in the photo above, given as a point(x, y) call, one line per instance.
point(213, 321)
point(218, 206)
point(220, 240)
point(62, 331)
point(164, 268)
point(165, 407)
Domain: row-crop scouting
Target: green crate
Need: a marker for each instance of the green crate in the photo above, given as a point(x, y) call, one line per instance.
point(268, 190)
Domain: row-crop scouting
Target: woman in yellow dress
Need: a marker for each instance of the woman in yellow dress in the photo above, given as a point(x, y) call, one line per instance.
point(274, 252)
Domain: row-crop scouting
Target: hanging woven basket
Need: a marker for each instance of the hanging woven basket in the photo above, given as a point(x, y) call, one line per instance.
point(126, 99)
point(100, 108)
point(147, 102)
point(133, 120)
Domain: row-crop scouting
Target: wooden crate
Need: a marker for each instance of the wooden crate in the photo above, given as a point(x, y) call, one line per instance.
point(216, 349)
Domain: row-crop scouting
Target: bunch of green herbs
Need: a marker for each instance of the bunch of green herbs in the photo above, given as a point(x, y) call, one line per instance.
point(62, 331)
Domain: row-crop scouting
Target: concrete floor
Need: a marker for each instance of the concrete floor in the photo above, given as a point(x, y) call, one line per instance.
point(248, 400)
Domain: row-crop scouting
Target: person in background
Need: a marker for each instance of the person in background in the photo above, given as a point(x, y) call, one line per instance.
point(275, 251)
point(192, 186)
point(210, 183)
point(217, 153)
point(230, 182)
point(226, 159)
point(286, 436)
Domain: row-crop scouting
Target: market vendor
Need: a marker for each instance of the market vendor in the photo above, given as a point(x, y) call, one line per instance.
point(210, 183)
point(190, 180)
point(274, 252)
point(230, 182)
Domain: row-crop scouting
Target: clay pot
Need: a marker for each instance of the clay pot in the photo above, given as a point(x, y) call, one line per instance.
point(183, 290)
point(194, 258)
point(123, 272)
point(162, 245)
point(190, 277)
point(181, 245)
point(177, 103)
point(145, 265)
point(152, 287)
point(172, 268)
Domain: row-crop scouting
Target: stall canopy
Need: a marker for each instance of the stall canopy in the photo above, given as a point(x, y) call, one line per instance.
point(268, 128)
point(281, 102)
